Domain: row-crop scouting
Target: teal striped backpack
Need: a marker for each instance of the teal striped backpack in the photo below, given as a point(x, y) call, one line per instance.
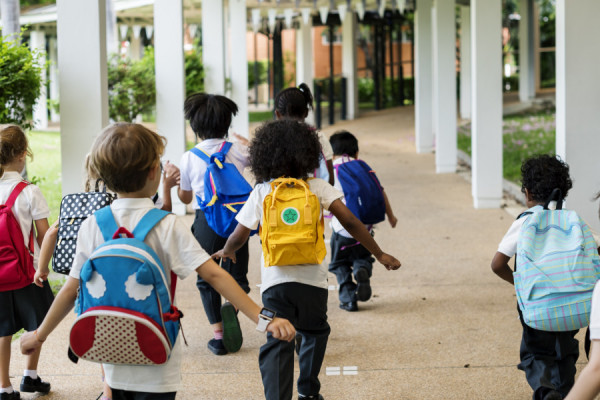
point(558, 266)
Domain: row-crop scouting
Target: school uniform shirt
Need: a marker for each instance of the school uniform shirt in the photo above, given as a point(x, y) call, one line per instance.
point(179, 252)
point(29, 206)
point(192, 167)
point(327, 153)
point(595, 314)
point(251, 215)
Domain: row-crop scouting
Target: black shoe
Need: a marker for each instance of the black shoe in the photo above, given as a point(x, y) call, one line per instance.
point(34, 385)
point(316, 397)
point(10, 396)
point(232, 333)
point(553, 395)
point(350, 306)
point(363, 285)
point(217, 347)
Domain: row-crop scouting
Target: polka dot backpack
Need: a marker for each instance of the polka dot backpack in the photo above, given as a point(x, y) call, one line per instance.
point(74, 209)
point(125, 303)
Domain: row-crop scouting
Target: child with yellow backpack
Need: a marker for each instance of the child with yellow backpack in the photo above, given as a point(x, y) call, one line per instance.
point(288, 206)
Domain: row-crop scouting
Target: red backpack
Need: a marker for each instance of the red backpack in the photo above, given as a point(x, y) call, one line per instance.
point(16, 260)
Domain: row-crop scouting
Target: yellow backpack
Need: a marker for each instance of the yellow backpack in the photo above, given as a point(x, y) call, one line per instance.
point(292, 229)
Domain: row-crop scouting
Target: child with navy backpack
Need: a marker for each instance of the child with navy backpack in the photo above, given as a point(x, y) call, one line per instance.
point(23, 305)
point(212, 164)
point(556, 268)
point(127, 158)
point(288, 205)
point(365, 197)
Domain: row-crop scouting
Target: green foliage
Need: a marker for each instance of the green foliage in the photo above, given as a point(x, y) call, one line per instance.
point(366, 90)
point(45, 168)
point(20, 83)
point(194, 71)
point(131, 86)
point(262, 73)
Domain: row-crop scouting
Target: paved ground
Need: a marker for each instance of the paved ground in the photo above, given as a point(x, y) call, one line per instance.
point(441, 327)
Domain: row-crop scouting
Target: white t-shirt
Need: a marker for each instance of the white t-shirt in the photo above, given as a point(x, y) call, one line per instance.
point(595, 314)
point(251, 215)
point(30, 206)
point(327, 153)
point(178, 251)
point(192, 167)
point(508, 245)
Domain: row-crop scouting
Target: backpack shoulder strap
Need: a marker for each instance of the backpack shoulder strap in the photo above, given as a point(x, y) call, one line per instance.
point(10, 202)
point(225, 148)
point(202, 154)
point(524, 213)
point(106, 222)
point(148, 222)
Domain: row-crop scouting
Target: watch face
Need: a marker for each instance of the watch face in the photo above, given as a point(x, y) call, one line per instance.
point(267, 313)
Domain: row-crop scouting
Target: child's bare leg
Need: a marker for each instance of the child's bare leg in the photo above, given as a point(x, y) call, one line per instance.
point(5, 361)
point(106, 390)
point(32, 360)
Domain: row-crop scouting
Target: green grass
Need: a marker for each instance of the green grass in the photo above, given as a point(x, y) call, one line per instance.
point(523, 136)
point(45, 169)
point(260, 116)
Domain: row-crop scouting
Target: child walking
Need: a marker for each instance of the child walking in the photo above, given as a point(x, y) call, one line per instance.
point(210, 118)
point(547, 358)
point(175, 246)
point(348, 257)
point(26, 306)
point(289, 148)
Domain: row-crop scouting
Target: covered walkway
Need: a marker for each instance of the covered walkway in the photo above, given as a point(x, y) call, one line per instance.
point(442, 327)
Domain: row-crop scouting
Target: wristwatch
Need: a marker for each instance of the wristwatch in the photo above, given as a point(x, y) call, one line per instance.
point(264, 319)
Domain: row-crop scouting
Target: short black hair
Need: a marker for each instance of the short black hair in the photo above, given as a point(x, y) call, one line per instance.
point(294, 102)
point(541, 174)
point(209, 114)
point(284, 148)
point(344, 143)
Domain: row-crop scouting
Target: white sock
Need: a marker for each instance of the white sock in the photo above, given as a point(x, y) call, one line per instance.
point(32, 373)
point(6, 389)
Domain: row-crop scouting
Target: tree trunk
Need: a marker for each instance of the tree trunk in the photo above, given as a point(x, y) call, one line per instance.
point(10, 11)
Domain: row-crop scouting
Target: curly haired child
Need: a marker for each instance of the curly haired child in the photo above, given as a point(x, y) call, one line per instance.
point(289, 148)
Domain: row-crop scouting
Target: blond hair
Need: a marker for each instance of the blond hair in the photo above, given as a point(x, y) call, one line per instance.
point(123, 155)
point(13, 143)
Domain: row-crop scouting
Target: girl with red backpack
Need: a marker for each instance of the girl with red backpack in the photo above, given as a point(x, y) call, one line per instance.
point(24, 304)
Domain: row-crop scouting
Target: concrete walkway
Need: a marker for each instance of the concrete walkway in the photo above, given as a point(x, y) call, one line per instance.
point(441, 327)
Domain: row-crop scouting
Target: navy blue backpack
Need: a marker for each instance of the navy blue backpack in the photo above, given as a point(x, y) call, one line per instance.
point(225, 191)
point(362, 191)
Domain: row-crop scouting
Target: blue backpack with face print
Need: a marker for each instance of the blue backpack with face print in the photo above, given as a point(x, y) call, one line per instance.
point(125, 303)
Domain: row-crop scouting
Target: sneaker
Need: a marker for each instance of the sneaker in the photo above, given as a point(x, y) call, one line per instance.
point(363, 285)
point(315, 397)
point(553, 395)
point(34, 385)
point(217, 347)
point(10, 396)
point(232, 334)
point(350, 306)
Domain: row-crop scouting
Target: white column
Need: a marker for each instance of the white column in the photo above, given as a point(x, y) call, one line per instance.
point(465, 62)
point(40, 110)
point(577, 99)
point(304, 59)
point(526, 51)
point(349, 64)
point(213, 46)
point(170, 81)
point(486, 122)
point(53, 81)
point(135, 47)
point(83, 84)
point(444, 70)
point(423, 76)
point(239, 65)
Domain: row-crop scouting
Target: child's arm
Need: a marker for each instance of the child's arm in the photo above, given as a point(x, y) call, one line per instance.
point(235, 241)
point(62, 304)
point(46, 250)
point(501, 268)
point(241, 139)
point(171, 179)
point(359, 232)
point(587, 386)
point(329, 164)
point(186, 196)
point(389, 212)
point(41, 227)
point(223, 283)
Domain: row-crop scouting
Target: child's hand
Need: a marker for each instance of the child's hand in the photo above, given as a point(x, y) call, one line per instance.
point(171, 175)
point(282, 329)
point(41, 275)
point(393, 221)
point(222, 255)
point(29, 343)
point(241, 139)
point(389, 261)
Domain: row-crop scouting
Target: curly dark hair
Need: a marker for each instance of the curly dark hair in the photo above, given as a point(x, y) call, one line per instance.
point(284, 148)
point(541, 174)
point(294, 102)
point(344, 143)
point(209, 114)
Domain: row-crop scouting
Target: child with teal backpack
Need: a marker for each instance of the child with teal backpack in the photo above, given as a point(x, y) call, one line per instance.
point(556, 267)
